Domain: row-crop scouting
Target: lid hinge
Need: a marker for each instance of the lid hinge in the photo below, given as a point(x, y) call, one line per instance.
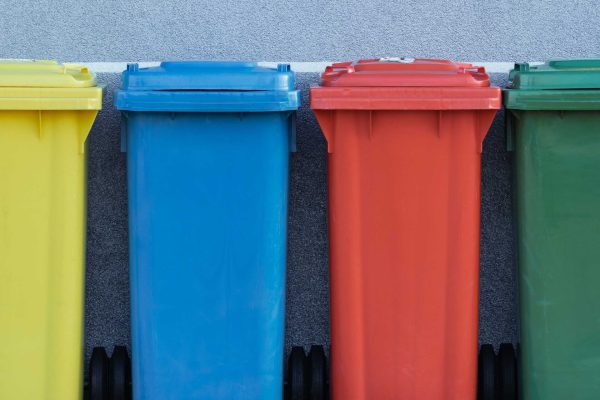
point(509, 124)
point(292, 131)
point(124, 132)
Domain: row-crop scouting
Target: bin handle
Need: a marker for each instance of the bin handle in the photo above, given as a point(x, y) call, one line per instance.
point(471, 68)
point(336, 68)
point(292, 131)
point(123, 132)
point(509, 121)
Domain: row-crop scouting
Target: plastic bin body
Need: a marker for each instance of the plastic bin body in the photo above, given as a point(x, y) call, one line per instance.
point(404, 192)
point(207, 220)
point(43, 128)
point(556, 138)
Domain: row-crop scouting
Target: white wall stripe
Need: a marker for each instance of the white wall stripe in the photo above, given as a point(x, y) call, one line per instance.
point(118, 67)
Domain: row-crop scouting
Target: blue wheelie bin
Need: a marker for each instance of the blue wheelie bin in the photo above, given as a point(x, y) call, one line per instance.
point(208, 148)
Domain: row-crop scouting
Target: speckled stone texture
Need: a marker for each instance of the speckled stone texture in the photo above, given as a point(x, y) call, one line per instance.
point(298, 30)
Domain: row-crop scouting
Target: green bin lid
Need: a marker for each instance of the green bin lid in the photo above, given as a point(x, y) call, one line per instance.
point(556, 74)
point(554, 85)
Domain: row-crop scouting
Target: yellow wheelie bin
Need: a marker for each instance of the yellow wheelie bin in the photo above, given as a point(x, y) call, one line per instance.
point(46, 112)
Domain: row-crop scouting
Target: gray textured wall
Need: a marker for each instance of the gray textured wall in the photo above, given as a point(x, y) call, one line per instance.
point(294, 30)
point(298, 30)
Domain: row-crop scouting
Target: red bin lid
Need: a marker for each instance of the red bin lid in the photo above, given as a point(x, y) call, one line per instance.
point(405, 84)
point(405, 72)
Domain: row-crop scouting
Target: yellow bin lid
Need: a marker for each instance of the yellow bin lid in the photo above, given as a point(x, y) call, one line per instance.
point(47, 85)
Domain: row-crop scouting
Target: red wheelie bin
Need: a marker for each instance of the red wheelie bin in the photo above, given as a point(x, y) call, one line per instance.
point(405, 140)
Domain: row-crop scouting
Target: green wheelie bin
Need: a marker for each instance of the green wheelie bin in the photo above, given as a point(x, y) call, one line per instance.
point(553, 123)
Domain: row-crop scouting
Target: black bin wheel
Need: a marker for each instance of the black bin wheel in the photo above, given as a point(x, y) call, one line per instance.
point(119, 377)
point(486, 379)
point(297, 383)
point(507, 372)
point(317, 367)
point(98, 375)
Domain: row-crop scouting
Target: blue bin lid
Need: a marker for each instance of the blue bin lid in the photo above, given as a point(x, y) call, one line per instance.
point(208, 86)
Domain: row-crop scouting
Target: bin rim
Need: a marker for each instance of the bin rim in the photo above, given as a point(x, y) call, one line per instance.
point(34, 98)
point(551, 100)
point(207, 101)
point(405, 98)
